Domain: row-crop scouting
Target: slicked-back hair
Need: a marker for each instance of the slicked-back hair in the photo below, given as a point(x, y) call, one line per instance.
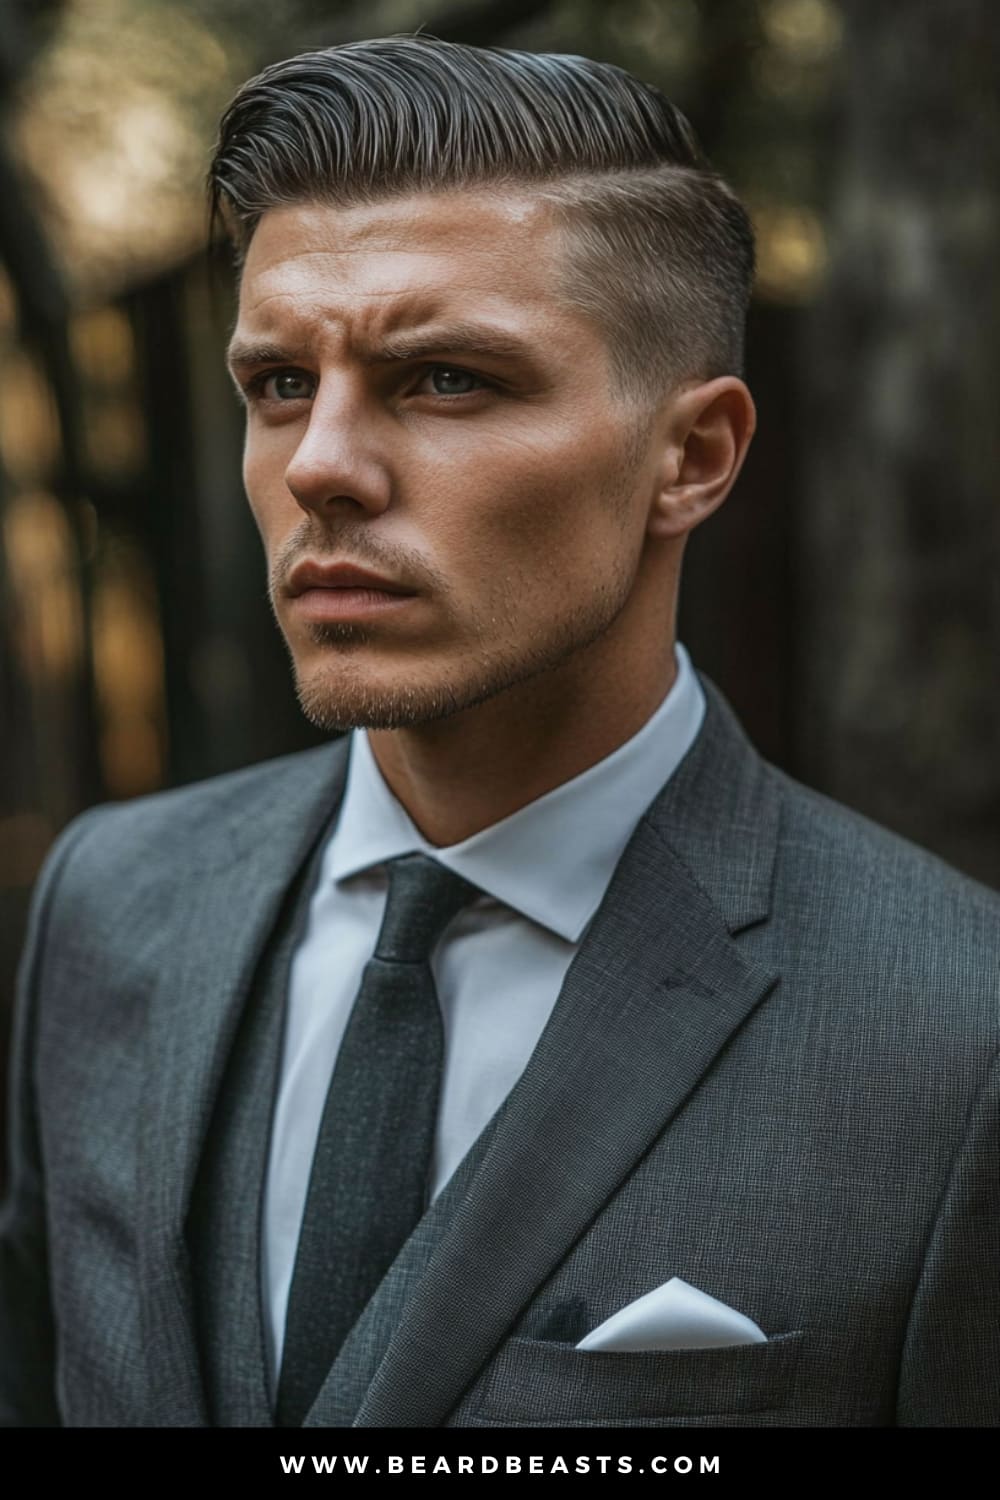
point(659, 250)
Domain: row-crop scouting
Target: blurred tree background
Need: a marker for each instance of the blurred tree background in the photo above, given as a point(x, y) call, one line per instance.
point(846, 598)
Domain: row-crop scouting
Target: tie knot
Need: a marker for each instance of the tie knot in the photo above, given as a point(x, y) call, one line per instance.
point(423, 898)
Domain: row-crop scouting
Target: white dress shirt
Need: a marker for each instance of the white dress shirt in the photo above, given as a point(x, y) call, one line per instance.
point(498, 968)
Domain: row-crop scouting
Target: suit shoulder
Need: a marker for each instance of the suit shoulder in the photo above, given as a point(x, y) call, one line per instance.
point(868, 901)
point(193, 818)
point(829, 835)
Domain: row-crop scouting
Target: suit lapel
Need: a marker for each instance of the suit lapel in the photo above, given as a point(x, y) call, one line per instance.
point(223, 916)
point(655, 991)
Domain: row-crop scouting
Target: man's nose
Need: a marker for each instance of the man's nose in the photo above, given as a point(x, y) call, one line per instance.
point(340, 461)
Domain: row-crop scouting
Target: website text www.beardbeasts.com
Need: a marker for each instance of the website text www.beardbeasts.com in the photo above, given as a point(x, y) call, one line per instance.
point(482, 1463)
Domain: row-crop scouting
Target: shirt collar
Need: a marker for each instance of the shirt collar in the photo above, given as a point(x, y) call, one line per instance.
point(552, 859)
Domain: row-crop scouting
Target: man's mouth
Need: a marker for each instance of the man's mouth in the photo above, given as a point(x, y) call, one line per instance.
point(323, 592)
point(308, 576)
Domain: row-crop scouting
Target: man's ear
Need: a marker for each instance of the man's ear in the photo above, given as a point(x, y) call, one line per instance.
point(706, 432)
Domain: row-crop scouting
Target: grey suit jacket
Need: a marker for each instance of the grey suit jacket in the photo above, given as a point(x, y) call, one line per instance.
point(772, 1071)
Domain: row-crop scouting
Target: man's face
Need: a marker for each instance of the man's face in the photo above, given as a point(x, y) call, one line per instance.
point(425, 407)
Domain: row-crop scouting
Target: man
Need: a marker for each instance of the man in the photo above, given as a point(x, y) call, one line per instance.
point(373, 1084)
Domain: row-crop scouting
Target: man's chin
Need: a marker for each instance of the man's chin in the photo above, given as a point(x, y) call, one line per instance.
point(335, 705)
point(348, 684)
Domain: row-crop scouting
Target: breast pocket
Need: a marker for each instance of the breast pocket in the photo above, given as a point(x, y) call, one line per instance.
point(538, 1383)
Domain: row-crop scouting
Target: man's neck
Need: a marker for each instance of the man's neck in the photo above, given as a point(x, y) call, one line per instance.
point(458, 775)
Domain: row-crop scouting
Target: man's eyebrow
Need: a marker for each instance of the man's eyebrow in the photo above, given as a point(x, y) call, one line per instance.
point(459, 338)
point(244, 353)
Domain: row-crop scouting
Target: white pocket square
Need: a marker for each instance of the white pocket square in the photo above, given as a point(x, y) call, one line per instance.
point(673, 1316)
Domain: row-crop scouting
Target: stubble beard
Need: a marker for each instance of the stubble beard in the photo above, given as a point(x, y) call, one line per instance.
point(343, 695)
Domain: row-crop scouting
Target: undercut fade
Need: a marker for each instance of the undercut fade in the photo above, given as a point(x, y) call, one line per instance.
point(660, 251)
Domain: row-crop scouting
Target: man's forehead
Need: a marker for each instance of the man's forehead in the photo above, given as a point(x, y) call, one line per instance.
point(402, 264)
point(459, 222)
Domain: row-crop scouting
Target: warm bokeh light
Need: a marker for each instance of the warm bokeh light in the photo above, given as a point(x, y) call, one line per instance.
point(8, 303)
point(103, 346)
point(104, 352)
point(44, 585)
point(29, 424)
point(128, 666)
point(791, 252)
point(807, 30)
point(116, 123)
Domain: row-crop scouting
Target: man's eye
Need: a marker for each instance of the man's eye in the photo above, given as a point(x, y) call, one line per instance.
point(283, 385)
point(445, 380)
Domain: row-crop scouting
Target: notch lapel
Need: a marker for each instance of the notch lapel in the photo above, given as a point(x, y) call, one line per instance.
point(655, 991)
point(223, 917)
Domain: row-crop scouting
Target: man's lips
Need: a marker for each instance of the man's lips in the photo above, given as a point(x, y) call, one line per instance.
point(325, 592)
point(306, 576)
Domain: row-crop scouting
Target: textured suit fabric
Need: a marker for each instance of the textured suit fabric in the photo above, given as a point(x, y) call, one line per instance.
point(223, 1233)
point(772, 1071)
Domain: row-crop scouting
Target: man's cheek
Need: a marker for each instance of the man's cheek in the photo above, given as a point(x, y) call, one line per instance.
point(268, 496)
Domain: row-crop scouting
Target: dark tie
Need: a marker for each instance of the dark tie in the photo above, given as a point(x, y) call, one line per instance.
point(371, 1168)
